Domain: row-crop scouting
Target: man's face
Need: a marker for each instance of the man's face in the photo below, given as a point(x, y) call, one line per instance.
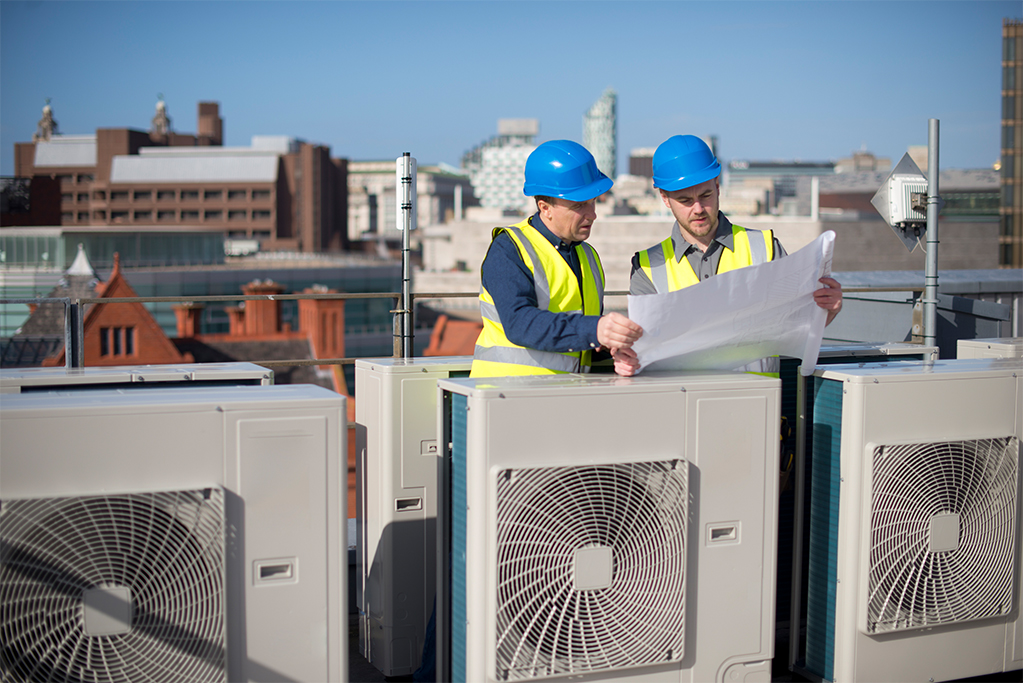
point(570, 221)
point(696, 209)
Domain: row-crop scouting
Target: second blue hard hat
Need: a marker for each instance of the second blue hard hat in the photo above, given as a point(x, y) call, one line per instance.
point(684, 161)
point(563, 168)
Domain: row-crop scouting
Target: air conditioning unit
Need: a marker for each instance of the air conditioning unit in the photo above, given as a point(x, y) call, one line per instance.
point(183, 534)
point(1008, 347)
point(396, 447)
point(794, 450)
point(16, 380)
point(604, 528)
point(914, 555)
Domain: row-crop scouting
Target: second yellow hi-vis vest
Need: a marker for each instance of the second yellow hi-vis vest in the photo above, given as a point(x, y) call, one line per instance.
point(557, 290)
point(669, 273)
point(749, 248)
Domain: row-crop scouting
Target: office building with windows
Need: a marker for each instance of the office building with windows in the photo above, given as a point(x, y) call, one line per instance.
point(497, 166)
point(599, 132)
point(280, 192)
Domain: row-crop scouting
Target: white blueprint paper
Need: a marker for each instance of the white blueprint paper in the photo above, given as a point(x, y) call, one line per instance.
point(739, 316)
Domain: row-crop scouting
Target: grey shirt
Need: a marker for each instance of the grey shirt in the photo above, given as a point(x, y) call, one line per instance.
point(705, 263)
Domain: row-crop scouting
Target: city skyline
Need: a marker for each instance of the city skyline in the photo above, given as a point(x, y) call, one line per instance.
point(810, 81)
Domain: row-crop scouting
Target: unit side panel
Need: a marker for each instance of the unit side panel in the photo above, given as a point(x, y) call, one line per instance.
point(290, 482)
point(734, 504)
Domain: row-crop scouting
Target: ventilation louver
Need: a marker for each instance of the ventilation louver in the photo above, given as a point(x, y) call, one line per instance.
point(942, 533)
point(113, 588)
point(591, 568)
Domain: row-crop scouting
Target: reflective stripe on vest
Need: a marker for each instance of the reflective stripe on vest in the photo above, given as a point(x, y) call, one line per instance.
point(495, 355)
point(669, 274)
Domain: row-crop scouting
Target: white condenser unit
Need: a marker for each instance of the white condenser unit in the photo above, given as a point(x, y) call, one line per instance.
point(604, 528)
point(187, 534)
point(396, 454)
point(915, 544)
point(1007, 347)
point(17, 380)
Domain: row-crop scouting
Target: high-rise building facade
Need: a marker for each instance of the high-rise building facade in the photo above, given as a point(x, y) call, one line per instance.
point(1010, 154)
point(282, 192)
point(497, 167)
point(599, 132)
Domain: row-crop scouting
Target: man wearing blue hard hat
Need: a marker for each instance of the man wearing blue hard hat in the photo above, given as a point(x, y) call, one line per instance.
point(704, 242)
point(542, 286)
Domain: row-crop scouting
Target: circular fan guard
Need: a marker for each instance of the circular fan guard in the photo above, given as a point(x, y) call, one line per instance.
point(166, 548)
point(545, 626)
point(911, 586)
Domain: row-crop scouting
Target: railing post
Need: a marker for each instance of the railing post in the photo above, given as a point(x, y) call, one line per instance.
point(74, 334)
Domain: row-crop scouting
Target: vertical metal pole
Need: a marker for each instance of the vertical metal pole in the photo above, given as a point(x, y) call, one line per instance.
point(74, 335)
point(408, 185)
point(797, 579)
point(931, 268)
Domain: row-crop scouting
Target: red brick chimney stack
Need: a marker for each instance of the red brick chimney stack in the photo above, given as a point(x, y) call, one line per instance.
point(262, 316)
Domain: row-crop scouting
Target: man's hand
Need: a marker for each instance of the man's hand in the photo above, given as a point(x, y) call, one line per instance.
point(615, 331)
point(626, 362)
point(829, 297)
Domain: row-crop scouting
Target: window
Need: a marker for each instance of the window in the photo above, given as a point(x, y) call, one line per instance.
point(119, 196)
point(117, 341)
point(118, 215)
point(143, 215)
point(142, 195)
point(260, 215)
point(165, 215)
point(83, 196)
point(260, 194)
point(212, 194)
point(65, 179)
point(85, 177)
point(165, 195)
point(213, 215)
point(236, 195)
point(100, 215)
point(66, 217)
point(67, 197)
point(189, 194)
point(236, 215)
point(189, 215)
point(83, 216)
point(99, 195)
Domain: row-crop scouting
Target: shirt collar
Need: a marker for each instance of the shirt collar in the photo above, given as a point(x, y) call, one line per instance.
point(555, 240)
point(723, 236)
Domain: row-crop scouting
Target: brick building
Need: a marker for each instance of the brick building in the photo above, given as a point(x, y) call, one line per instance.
point(282, 192)
point(122, 334)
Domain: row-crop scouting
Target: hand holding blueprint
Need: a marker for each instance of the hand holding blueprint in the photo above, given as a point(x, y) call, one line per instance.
point(739, 316)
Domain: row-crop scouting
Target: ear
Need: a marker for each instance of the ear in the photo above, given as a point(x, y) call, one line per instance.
point(664, 198)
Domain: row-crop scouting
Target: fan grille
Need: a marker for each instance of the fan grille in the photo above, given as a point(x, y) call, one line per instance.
point(942, 533)
point(165, 550)
point(550, 518)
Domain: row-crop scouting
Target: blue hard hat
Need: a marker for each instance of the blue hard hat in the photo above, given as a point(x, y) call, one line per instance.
point(563, 168)
point(684, 161)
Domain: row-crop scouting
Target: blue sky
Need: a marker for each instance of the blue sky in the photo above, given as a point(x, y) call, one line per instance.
point(811, 80)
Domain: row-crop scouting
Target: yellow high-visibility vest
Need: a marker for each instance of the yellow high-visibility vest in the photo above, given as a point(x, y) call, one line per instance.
point(557, 291)
point(668, 273)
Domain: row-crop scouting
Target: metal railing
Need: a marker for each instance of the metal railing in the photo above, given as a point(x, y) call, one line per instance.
point(74, 315)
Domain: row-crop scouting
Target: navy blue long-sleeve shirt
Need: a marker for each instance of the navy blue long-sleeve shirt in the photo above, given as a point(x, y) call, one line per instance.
point(510, 283)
